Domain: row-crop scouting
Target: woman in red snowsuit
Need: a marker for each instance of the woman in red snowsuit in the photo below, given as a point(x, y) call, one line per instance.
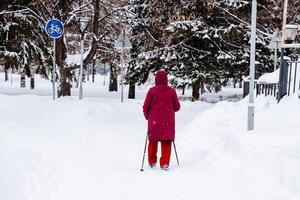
point(159, 109)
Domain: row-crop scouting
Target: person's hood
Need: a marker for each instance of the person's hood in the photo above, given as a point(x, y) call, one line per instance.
point(161, 78)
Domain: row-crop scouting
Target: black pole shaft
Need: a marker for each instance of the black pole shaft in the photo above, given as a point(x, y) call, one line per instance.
point(295, 77)
point(290, 77)
point(176, 153)
point(93, 76)
point(142, 168)
point(280, 76)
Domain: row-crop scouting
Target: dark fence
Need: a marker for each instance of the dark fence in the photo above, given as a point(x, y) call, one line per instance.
point(289, 78)
point(267, 89)
point(214, 98)
point(261, 88)
point(289, 82)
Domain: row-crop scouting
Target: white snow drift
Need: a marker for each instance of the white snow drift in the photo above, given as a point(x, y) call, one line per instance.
point(92, 149)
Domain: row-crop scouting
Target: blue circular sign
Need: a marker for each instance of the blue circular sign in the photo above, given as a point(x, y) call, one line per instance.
point(54, 28)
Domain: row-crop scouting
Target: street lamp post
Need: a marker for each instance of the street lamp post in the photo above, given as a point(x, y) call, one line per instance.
point(251, 106)
point(289, 32)
point(276, 49)
point(83, 26)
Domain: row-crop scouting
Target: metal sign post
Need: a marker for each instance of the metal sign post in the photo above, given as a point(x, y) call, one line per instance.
point(123, 43)
point(84, 23)
point(55, 29)
point(122, 64)
point(54, 68)
point(285, 33)
point(81, 70)
point(251, 105)
point(289, 33)
point(276, 49)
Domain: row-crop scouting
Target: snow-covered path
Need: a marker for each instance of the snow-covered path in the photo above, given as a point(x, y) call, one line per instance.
point(91, 149)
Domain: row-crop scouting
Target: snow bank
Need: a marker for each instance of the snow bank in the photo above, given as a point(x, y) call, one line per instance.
point(21, 177)
point(14, 171)
point(235, 164)
point(272, 77)
point(92, 149)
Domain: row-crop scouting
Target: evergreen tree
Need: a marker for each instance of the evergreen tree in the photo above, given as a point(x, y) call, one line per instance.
point(22, 44)
point(197, 42)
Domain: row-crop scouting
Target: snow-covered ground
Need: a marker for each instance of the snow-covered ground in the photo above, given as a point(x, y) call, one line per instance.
point(43, 87)
point(92, 149)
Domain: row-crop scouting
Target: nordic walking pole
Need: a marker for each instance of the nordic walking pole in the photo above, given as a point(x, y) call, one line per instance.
point(142, 169)
point(176, 152)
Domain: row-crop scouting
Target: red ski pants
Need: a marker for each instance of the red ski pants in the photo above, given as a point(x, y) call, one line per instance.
point(165, 152)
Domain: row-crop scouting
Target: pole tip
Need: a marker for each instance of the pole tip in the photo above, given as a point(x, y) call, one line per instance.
point(141, 170)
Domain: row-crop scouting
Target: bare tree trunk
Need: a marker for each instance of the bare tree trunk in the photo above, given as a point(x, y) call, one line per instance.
point(113, 81)
point(195, 92)
point(113, 84)
point(87, 73)
point(23, 82)
point(32, 85)
point(202, 87)
point(131, 93)
point(94, 71)
point(234, 83)
point(218, 87)
point(6, 73)
point(94, 47)
point(183, 90)
point(32, 74)
point(64, 86)
point(240, 83)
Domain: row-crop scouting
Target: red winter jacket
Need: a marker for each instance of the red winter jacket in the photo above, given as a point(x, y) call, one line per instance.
point(159, 108)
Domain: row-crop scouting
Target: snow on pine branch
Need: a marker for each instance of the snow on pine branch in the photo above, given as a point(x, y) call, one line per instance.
point(232, 3)
point(7, 26)
point(192, 25)
point(79, 10)
point(9, 54)
point(24, 12)
point(170, 52)
point(261, 33)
